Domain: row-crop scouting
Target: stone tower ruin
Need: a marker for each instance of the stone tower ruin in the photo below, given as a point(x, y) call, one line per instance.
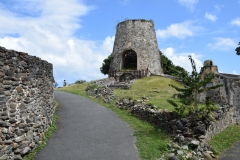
point(135, 47)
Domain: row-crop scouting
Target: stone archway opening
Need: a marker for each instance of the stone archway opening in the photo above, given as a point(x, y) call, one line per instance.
point(129, 60)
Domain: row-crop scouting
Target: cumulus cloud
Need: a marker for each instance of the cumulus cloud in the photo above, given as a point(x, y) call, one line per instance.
point(223, 44)
point(236, 21)
point(188, 3)
point(211, 17)
point(49, 35)
point(178, 30)
point(107, 45)
point(181, 59)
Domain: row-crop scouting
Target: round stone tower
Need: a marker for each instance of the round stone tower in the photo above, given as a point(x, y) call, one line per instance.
point(135, 47)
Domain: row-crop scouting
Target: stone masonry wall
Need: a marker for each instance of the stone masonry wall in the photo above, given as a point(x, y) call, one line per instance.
point(26, 102)
point(139, 36)
point(228, 100)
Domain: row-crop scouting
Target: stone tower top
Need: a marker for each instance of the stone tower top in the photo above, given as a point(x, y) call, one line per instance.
point(212, 69)
point(135, 47)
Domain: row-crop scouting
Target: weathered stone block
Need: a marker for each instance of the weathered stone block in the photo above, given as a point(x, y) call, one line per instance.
point(1, 91)
point(19, 89)
point(2, 74)
point(19, 139)
point(7, 93)
point(22, 107)
point(7, 87)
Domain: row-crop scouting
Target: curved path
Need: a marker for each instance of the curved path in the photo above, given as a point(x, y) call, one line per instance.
point(232, 154)
point(88, 131)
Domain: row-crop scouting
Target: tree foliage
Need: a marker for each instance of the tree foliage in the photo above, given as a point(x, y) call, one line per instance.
point(188, 96)
point(238, 49)
point(106, 65)
point(169, 68)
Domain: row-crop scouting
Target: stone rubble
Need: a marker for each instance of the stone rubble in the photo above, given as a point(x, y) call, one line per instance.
point(105, 93)
point(189, 135)
point(104, 88)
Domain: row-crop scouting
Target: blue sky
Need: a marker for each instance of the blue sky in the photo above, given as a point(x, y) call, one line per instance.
point(76, 35)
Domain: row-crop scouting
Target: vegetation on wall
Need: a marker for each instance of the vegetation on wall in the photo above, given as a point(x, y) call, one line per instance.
point(194, 85)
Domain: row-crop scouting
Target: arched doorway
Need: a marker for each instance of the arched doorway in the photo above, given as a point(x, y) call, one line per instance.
point(129, 60)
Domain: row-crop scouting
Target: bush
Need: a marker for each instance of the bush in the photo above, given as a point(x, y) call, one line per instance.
point(80, 81)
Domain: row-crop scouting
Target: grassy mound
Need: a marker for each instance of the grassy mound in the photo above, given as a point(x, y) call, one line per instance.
point(154, 88)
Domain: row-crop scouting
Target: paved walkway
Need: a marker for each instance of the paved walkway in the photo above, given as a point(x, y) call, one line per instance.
point(232, 154)
point(88, 131)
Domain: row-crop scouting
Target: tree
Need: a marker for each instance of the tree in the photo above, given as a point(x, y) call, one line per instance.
point(169, 68)
point(106, 65)
point(188, 96)
point(238, 49)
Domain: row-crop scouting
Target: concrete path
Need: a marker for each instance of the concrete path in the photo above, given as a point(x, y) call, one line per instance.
point(88, 131)
point(232, 154)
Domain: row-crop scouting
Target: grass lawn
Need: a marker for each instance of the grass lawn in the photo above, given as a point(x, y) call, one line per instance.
point(225, 139)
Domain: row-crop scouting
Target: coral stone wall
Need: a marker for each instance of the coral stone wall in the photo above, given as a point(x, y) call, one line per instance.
point(228, 100)
point(140, 37)
point(26, 102)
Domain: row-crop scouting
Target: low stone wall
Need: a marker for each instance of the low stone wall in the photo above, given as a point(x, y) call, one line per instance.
point(26, 102)
point(220, 123)
point(188, 134)
point(123, 76)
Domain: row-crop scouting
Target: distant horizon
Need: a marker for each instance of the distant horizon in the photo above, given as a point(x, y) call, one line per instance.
point(77, 35)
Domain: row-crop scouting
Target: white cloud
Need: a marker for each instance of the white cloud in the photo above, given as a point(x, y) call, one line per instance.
point(178, 30)
point(234, 72)
point(211, 17)
point(218, 7)
point(223, 44)
point(188, 3)
point(182, 59)
point(236, 21)
point(107, 45)
point(49, 35)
